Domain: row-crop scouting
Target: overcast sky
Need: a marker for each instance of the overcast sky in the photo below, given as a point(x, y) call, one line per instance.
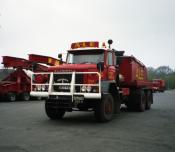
point(143, 28)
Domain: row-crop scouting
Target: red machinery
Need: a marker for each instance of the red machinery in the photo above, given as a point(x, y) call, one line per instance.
point(96, 78)
point(158, 85)
point(44, 59)
point(18, 83)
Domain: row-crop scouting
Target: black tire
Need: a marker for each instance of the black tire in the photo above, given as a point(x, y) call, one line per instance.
point(137, 101)
point(25, 96)
point(11, 97)
point(131, 102)
point(141, 101)
point(149, 100)
point(105, 108)
point(53, 112)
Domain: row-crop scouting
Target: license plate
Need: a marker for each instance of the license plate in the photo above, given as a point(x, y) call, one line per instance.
point(79, 98)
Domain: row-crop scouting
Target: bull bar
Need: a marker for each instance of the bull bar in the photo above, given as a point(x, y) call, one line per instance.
point(72, 85)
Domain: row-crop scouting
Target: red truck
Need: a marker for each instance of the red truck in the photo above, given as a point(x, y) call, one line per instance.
point(158, 85)
point(18, 84)
point(96, 78)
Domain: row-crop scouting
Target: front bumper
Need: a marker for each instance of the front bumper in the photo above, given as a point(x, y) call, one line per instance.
point(71, 83)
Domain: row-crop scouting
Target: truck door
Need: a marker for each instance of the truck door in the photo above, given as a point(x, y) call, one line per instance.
point(111, 73)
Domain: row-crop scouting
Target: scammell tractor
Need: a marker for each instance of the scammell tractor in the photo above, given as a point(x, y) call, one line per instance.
point(96, 78)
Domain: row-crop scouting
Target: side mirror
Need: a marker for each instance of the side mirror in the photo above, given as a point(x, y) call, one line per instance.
point(119, 60)
point(100, 66)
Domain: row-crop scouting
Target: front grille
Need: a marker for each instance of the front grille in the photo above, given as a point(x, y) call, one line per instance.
point(62, 79)
point(62, 82)
point(79, 78)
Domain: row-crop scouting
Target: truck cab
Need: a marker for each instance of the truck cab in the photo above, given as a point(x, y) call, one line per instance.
point(81, 83)
point(89, 57)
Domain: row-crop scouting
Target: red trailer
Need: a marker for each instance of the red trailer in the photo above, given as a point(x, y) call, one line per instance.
point(135, 78)
point(18, 84)
point(44, 59)
point(96, 78)
point(158, 85)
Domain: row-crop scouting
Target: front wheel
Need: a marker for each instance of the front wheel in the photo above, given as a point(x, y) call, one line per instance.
point(53, 112)
point(105, 108)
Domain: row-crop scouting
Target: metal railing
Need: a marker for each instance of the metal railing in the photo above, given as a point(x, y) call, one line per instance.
point(72, 88)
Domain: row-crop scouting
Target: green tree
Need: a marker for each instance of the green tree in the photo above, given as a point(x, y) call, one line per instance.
point(164, 73)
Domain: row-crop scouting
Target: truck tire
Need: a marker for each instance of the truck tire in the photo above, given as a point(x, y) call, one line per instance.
point(105, 108)
point(148, 100)
point(53, 112)
point(137, 101)
point(130, 103)
point(25, 96)
point(141, 101)
point(11, 96)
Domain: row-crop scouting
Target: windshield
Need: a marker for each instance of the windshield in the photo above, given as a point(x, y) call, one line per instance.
point(92, 56)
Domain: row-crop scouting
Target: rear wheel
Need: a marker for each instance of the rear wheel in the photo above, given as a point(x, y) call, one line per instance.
point(11, 96)
point(148, 100)
point(141, 101)
point(105, 108)
point(53, 112)
point(131, 102)
point(137, 101)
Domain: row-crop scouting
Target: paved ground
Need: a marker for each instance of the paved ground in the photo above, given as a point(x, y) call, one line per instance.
point(24, 127)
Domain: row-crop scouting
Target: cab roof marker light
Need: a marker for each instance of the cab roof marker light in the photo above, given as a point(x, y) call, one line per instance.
point(89, 44)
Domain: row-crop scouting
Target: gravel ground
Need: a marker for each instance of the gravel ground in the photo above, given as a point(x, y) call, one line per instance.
point(24, 127)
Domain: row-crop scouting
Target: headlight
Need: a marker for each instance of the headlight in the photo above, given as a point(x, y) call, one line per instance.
point(43, 88)
point(88, 88)
point(83, 88)
point(95, 90)
point(39, 88)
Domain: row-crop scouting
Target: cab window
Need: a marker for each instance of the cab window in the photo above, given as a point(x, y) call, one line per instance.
point(110, 59)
